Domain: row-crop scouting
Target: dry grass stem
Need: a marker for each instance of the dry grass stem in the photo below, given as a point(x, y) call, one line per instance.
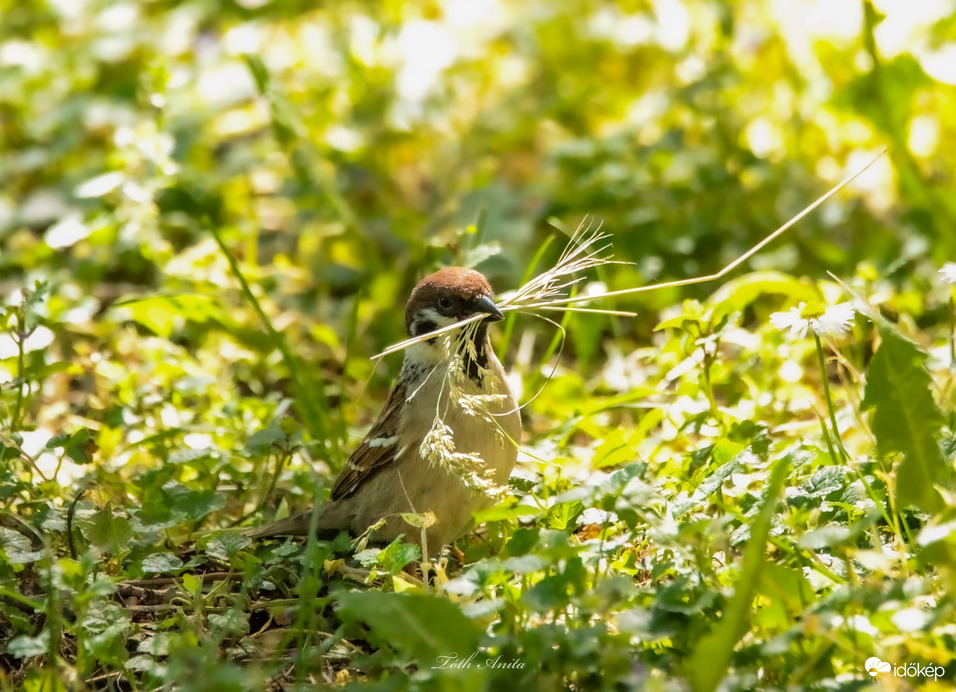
point(584, 251)
point(737, 262)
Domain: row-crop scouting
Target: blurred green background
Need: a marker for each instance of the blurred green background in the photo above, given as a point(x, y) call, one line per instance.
point(334, 153)
point(343, 151)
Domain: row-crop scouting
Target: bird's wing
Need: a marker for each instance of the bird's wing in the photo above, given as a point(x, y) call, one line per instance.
point(379, 448)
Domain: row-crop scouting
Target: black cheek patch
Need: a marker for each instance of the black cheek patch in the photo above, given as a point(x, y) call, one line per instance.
point(423, 327)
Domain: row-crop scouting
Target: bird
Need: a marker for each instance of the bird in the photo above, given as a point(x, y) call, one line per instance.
point(448, 432)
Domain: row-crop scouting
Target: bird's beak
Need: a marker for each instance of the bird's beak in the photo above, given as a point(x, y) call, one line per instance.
point(487, 305)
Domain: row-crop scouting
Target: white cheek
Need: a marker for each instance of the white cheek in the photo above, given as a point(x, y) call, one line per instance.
point(425, 353)
point(432, 315)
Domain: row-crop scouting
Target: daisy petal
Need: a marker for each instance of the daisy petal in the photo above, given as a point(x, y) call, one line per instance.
point(836, 320)
point(791, 320)
point(948, 273)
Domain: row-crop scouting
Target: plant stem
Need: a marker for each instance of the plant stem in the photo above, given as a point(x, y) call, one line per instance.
point(306, 390)
point(21, 379)
point(827, 437)
point(826, 393)
point(709, 387)
point(952, 332)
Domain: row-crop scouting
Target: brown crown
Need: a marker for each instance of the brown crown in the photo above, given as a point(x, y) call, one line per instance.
point(459, 282)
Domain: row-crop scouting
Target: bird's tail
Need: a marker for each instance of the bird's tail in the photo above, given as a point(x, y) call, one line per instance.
point(295, 525)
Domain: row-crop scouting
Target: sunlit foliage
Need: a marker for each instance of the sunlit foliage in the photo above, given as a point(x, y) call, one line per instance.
point(211, 212)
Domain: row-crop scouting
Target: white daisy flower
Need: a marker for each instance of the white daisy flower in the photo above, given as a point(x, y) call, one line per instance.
point(948, 273)
point(822, 320)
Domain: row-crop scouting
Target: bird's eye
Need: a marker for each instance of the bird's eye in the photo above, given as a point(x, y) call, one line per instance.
point(444, 302)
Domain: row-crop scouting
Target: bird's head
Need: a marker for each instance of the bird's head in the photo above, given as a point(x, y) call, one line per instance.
point(448, 296)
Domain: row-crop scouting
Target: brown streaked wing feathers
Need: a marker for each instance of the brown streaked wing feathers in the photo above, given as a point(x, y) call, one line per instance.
point(366, 461)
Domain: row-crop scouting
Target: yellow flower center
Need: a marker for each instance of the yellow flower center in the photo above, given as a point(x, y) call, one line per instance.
point(812, 310)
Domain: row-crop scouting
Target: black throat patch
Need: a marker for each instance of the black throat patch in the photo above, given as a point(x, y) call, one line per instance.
point(475, 363)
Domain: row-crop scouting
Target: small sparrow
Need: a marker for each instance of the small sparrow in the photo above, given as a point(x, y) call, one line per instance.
point(448, 431)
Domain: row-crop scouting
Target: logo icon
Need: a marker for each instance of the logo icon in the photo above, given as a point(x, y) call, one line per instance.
point(875, 666)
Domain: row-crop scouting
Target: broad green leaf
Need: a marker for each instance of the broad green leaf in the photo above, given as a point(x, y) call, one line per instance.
point(825, 481)
point(192, 583)
point(824, 537)
point(906, 419)
point(525, 564)
point(226, 545)
point(25, 646)
point(15, 547)
point(788, 594)
point(554, 591)
point(262, 441)
point(421, 625)
point(722, 471)
point(548, 594)
point(109, 532)
point(80, 447)
point(397, 554)
point(162, 563)
point(885, 95)
point(164, 314)
point(646, 624)
point(196, 504)
point(234, 623)
point(725, 450)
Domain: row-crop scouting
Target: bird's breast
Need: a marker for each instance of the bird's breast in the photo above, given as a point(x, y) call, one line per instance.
point(480, 415)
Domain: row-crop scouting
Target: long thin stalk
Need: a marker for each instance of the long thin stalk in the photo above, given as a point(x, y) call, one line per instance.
point(580, 254)
point(306, 390)
point(737, 262)
point(829, 399)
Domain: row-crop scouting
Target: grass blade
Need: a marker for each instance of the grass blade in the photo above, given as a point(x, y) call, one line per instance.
point(709, 662)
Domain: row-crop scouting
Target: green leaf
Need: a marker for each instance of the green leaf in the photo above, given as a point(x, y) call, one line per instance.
point(824, 537)
point(31, 305)
point(788, 594)
point(616, 449)
point(548, 594)
point(725, 450)
point(57, 440)
point(825, 481)
point(162, 563)
point(708, 486)
point(45, 680)
point(110, 533)
point(906, 419)
point(193, 584)
point(423, 626)
point(286, 123)
point(525, 564)
point(397, 554)
point(80, 447)
point(24, 646)
point(884, 95)
point(163, 314)
point(262, 441)
point(554, 592)
point(16, 548)
point(233, 623)
point(196, 504)
point(226, 545)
